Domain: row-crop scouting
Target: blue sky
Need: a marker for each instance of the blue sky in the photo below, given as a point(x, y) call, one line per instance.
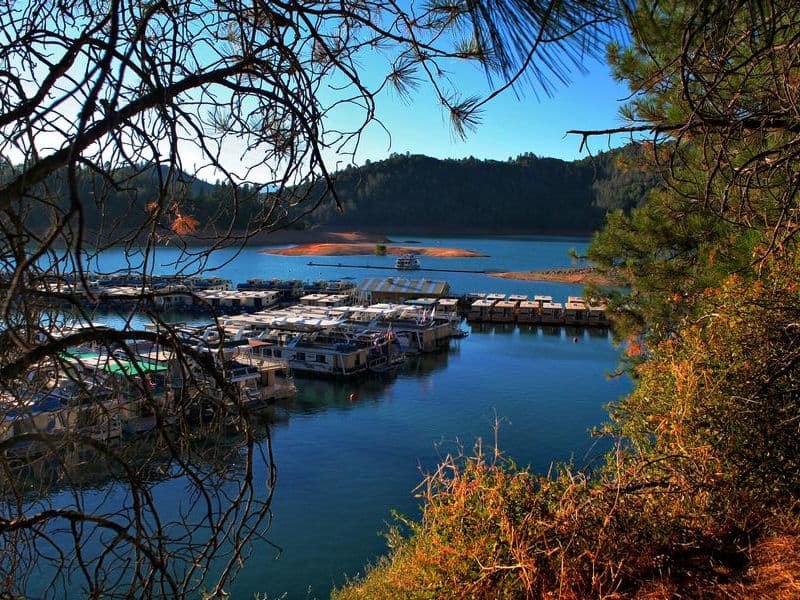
point(511, 125)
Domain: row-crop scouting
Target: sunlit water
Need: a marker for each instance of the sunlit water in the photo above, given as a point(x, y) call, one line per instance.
point(344, 465)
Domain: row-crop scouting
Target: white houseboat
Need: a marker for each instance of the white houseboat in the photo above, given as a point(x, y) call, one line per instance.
point(407, 262)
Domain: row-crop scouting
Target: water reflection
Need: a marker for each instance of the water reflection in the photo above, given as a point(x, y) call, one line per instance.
point(548, 390)
point(492, 328)
point(552, 330)
point(124, 496)
point(599, 332)
point(319, 395)
point(425, 364)
point(528, 329)
point(214, 447)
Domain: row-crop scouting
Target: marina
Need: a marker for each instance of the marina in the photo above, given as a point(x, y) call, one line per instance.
point(108, 394)
point(216, 296)
point(269, 331)
point(399, 421)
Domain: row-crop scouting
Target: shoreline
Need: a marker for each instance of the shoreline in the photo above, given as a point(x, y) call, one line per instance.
point(285, 237)
point(577, 275)
point(360, 248)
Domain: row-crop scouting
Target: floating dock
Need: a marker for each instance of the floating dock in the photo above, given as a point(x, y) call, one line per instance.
point(388, 268)
point(206, 296)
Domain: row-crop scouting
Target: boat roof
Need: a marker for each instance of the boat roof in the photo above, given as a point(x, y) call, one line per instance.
point(428, 302)
point(113, 364)
point(506, 304)
point(484, 302)
point(401, 285)
point(37, 404)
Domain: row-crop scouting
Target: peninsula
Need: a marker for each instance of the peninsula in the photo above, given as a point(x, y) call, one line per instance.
point(582, 275)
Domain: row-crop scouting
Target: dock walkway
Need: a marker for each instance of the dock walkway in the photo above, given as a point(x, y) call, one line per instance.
point(392, 268)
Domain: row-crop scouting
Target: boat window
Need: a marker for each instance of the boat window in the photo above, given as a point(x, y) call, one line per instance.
point(299, 355)
point(277, 353)
point(320, 358)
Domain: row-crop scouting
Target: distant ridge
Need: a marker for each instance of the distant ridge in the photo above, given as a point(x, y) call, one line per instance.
point(411, 194)
point(526, 194)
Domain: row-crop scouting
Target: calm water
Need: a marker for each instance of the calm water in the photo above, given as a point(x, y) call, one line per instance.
point(342, 465)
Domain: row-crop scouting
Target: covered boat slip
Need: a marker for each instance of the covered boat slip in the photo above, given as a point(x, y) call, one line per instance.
point(495, 308)
point(400, 289)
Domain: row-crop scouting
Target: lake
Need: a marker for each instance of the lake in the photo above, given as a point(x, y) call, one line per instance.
point(344, 465)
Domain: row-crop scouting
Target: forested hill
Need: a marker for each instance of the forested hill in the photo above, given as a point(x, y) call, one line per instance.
point(526, 194)
point(408, 193)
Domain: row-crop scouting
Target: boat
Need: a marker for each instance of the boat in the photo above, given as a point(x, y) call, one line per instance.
point(407, 262)
point(330, 351)
point(93, 412)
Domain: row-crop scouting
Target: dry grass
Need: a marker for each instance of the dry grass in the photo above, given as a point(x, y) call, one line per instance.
point(773, 573)
point(698, 498)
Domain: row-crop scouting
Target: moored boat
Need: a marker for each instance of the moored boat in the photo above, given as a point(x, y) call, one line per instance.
point(407, 262)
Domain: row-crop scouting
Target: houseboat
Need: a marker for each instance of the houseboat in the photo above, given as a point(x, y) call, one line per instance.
point(141, 394)
point(316, 341)
point(328, 351)
point(416, 328)
point(407, 262)
point(57, 411)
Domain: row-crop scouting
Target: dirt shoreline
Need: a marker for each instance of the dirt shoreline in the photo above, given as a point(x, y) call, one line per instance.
point(581, 275)
point(367, 248)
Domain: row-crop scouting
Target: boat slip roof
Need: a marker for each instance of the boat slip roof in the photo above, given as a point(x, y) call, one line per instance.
point(421, 302)
point(506, 304)
point(484, 302)
point(400, 285)
point(448, 302)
